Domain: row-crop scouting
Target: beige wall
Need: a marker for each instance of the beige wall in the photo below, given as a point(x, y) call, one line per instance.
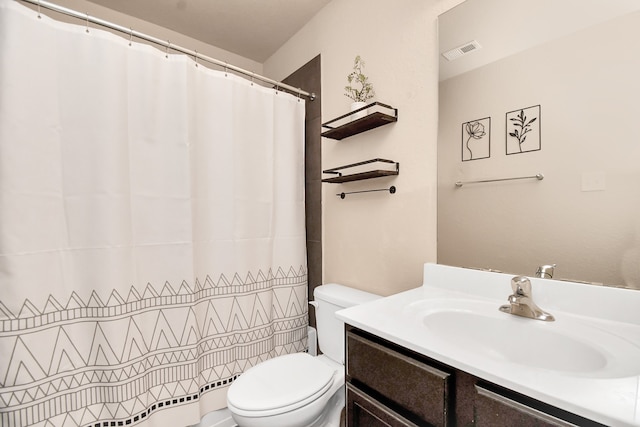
point(151, 29)
point(376, 241)
point(587, 85)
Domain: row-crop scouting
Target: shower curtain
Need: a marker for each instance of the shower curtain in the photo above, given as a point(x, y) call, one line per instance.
point(152, 239)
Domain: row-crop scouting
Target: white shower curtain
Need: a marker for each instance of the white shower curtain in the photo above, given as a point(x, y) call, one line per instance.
point(152, 240)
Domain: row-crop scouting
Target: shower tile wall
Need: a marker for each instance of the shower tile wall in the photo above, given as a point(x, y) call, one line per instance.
point(307, 77)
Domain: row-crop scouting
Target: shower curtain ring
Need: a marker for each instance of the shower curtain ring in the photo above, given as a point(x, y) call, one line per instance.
point(166, 52)
point(39, 17)
point(130, 35)
point(226, 64)
point(195, 57)
point(299, 94)
point(87, 30)
point(253, 74)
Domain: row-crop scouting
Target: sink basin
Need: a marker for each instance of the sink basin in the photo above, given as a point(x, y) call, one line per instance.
point(570, 345)
point(517, 342)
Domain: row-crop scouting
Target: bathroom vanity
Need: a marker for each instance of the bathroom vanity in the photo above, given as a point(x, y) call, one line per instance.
point(388, 385)
point(444, 355)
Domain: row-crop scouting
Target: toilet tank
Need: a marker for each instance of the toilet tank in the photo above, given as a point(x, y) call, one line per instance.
point(330, 298)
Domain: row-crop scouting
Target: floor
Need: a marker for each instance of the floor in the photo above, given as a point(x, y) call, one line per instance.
point(220, 418)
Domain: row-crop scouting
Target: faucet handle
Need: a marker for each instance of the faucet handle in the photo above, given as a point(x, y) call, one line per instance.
point(545, 271)
point(521, 286)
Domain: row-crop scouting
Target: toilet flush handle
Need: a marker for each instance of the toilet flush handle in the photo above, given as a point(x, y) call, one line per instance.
point(313, 304)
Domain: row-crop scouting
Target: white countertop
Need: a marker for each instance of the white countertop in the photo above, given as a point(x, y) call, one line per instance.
point(609, 398)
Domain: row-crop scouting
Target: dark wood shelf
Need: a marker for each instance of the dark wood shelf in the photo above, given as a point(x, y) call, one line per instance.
point(360, 176)
point(363, 124)
point(376, 173)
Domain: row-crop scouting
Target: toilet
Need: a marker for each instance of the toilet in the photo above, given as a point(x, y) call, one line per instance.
point(300, 390)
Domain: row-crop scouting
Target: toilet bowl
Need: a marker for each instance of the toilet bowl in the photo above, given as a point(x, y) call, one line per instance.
point(300, 390)
point(286, 391)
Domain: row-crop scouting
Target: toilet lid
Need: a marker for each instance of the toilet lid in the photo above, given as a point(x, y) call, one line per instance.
point(280, 382)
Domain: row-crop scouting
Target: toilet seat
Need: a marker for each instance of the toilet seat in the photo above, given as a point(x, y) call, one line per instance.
point(280, 385)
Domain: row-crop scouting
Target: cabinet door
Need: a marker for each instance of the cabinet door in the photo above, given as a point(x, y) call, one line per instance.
point(495, 410)
point(364, 411)
point(401, 381)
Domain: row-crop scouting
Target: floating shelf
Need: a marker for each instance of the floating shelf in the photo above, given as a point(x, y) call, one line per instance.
point(383, 115)
point(377, 173)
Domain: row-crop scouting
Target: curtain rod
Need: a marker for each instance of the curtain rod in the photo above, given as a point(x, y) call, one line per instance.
point(167, 44)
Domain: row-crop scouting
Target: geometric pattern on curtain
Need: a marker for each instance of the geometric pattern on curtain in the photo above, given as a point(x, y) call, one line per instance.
point(152, 241)
point(158, 362)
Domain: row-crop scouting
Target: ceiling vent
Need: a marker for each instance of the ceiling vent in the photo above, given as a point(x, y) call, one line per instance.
point(466, 48)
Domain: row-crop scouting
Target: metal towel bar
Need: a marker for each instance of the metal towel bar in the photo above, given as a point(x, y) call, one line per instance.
point(391, 190)
point(537, 176)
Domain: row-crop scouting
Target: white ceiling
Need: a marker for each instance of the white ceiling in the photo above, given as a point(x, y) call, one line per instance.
point(254, 29)
point(506, 27)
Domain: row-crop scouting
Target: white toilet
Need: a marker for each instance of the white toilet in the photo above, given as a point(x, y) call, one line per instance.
point(300, 390)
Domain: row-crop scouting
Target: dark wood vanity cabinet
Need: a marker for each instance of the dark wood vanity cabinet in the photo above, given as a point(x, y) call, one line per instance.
point(496, 410)
point(403, 381)
point(362, 410)
point(391, 386)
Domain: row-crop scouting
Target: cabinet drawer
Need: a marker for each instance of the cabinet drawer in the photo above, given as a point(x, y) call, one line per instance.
point(364, 411)
point(495, 410)
point(405, 382)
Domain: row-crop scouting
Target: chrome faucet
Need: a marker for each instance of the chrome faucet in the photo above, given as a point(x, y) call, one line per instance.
point(521, 301)
point(545, 271)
